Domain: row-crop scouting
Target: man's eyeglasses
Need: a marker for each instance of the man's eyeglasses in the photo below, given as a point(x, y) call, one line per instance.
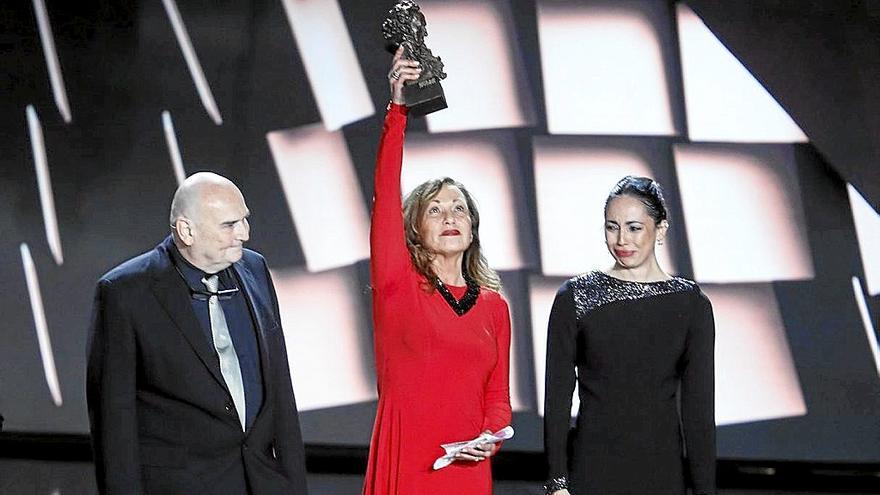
point(203, 294)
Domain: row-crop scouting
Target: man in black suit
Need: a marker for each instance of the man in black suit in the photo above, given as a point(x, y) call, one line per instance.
point(188, 385)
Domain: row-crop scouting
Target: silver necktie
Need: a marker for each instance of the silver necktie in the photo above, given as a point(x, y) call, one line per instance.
point(225, 349)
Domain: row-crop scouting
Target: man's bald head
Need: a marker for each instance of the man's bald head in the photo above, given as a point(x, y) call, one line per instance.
point(209, 221)
point(193, 193)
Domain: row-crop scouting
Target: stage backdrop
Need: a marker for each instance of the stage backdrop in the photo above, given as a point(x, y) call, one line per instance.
point(105, 108)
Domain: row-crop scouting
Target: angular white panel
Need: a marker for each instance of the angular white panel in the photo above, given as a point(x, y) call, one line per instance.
point(755, 376)
point(328, 363)
point(323, 194)
point(870, 333)
point(44, 185)
point(47, 355)
point(743, 211)
point(603, 70)
point(571, 185)
point(330, 61)
point(53, 66)
point(173, 147)
point(192, 61)
point(542, 292)
point(517, 401)
point(486, 85)
point(479, 164)
point(868, 232)
point(723, 99)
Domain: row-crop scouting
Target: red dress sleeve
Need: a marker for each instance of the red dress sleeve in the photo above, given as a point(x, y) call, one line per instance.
point(389, 256)
point(497, 398)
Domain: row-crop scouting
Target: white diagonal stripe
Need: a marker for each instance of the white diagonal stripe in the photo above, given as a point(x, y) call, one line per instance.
point(44, 184)
point(866, 320)
point(173, 148)
point(867, 222)
point(52, 64)
point(327, 52)
point(192, 61)
point(42, 328)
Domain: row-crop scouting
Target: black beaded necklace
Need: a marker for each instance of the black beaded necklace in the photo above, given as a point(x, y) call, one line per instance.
point(467, 301)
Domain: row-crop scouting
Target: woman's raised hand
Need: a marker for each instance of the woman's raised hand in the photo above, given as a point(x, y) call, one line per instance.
point(402, 70)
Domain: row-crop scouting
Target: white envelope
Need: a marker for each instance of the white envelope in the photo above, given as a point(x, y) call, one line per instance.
point(454, 448)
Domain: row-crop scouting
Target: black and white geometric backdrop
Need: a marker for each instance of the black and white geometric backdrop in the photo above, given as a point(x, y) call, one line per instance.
point(106, 106)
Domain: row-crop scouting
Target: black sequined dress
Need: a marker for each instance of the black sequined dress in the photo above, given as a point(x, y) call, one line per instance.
point(638, 349)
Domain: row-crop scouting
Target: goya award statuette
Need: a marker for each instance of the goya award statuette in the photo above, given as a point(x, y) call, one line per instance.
point(405, 25)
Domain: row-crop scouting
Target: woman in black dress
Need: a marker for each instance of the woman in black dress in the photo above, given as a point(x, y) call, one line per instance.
point(642, 343)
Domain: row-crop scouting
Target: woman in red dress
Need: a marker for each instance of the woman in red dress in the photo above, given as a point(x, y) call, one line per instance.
point(442, 330)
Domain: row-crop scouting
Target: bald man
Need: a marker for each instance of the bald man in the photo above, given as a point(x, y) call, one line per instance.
point(188, 384)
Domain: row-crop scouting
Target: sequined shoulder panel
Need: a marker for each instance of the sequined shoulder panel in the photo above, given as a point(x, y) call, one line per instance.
point(595, 289)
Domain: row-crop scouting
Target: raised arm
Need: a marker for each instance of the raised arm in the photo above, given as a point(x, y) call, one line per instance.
point(698, 398)
point(559, 381)
point(389, 256)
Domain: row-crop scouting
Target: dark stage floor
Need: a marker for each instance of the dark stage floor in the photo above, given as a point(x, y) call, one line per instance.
point(26, 477)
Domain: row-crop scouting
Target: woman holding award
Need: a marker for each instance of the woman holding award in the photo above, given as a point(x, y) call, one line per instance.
point(442, 330)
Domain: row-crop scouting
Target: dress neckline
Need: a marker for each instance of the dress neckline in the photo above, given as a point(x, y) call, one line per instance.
point(596, 288)
point(636, 282)
point(467, 300)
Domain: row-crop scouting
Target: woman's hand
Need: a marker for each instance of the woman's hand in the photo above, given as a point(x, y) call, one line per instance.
point(402, 70)
point(481, 452)
point(561, 492)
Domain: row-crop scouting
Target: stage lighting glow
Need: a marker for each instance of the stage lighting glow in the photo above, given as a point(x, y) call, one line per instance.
point(328, 337)
point(53, 66)
point(724, 101)
point(192, 61)
point(173, 147)
point(44, 185)
point(330, 61)
point(743, 212)
point(755, 376)
point(47, 356)
point(603, 70)
point(867, 223)
point(572, 182)
point(323, 194)
point(479, 164)
point(517, 401)
point(487, 86)
point(542, 293)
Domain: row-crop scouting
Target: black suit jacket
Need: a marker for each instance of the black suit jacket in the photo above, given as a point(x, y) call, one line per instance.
point(162, 419)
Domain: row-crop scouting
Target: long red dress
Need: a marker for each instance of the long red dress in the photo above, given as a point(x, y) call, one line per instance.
point(442, 377)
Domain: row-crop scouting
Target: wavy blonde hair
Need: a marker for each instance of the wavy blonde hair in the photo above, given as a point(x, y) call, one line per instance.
point(474, 264)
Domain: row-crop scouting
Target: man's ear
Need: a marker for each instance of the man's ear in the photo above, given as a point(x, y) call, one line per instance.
point(184, 228)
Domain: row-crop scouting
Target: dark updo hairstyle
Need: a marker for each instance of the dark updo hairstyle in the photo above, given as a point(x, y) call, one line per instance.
point(644, 189)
